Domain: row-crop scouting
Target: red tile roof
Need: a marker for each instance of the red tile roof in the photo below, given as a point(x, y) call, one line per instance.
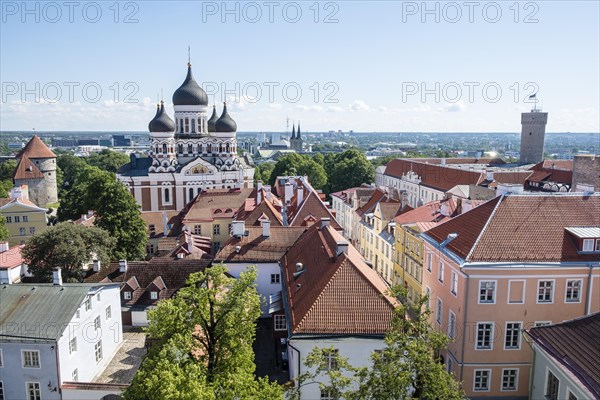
point(310, 206)
point(434, 176)
point(369, 206)
point(215, 203)
point(36, 148)
point(566, 165)
point(521, 228)
point(11, 258)
point(265, 208)
point(257, 248)
point(27, 170)
point(334, 295)
point(575, 345)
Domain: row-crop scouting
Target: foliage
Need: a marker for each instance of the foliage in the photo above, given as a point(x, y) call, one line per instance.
point(294, 164)
point(4, 234)
point(204, 342)
point(263, 171)
point(5, 187)
point(379, 161)
point(407, 368)
point(107, 160)
point(116, 210)
point(67, 246)
point(350, 169)
point(68, 167)
point(7, 169)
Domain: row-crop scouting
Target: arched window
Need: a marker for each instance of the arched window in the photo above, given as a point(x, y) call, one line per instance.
point(164, 148)
point(227, 147)
point(167, 195)
point(190, 148)
point(190, 194)
point(181, 125)
point(220, 147)
point(187, 125)
point(180, 148)
point(193, 126)
point(209, 148)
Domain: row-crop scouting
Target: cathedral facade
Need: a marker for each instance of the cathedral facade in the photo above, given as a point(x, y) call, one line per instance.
point(189, 153)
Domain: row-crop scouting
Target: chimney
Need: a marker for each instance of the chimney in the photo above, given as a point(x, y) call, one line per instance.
point(341, 247)
point(267, 188)
point(288, 193)
point(190, 240)
point(299, 270)
point(165, 221)
point(238, 228)
point(300, 195)
point(466, 206)
point(57, 277)
point(238, 248)
point(16, 193)
point(258, 197)
point(445, 208)
point(96, 264)
point(443, 162)
point(489, 175)
point(259, 185)
point(325, 222)
point(266, 228)
point(83, 217)
point(122, 265)
point(4, 246)
point(90, 213)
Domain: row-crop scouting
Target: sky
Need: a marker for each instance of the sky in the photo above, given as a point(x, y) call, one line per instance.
point(367, 66)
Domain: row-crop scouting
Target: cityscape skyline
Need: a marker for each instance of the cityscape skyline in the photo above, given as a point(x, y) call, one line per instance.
point(361, 82)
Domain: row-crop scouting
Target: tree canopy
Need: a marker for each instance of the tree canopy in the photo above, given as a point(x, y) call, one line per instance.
point(4, 234)
point(67, 246)
point(116, 210)
point(407, 368)
point(107, 160)
point(349, 169)
point(7, 169)
point(204, 341)
point(294, 164)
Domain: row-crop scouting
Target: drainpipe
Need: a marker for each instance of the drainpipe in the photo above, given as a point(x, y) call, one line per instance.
point(462, 351)
point(589, 288)
point(58, 382)
point(298, 352)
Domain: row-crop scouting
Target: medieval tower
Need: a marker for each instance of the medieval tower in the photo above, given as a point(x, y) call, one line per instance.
point(37, 170)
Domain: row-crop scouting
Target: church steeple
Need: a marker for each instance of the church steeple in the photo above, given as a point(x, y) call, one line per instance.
point(298, 135)
point(293, 131)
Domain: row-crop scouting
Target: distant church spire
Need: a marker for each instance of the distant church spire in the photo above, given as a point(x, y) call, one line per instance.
point(293, 131)
point(298, 136)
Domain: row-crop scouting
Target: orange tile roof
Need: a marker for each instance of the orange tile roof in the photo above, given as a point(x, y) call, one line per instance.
point(265, 208)
point(27, 170)
point(369, 206)
point(11, 258)
point(36, 148)
point(434, 176)
point(257, 248)
point(566, 165)
point(311, 206)
point(521, 228)
point(334, 295)
point(216, 203)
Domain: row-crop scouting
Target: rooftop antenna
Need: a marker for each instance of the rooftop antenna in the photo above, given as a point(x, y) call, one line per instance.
point(161, 95)
point(535, 101)
point(189, 57)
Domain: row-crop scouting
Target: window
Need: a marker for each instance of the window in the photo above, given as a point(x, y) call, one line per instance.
point(280, 323)
point(484, 335)
point(32, 230)
point(73, 345)
point(17, 219)
point(31, 358)
point(98, 296)
point(438, 311)
point(327, 394)
point(97, 323)
point(8, 220)
point(429, 257)
point(75, 375)
point(545, 291)
point(216, 246)
point(573, 293)
point(197, 229)
point(166, 196)
point(552, 386)
point(588, 244)
point(216, 229)
point(150, 248)
point(108, 312)
point(25, 218)
point(597, 249)
point(454, 284)
point(22, 231)
point(275, 278)
point(33, 391)
point(87, 303)
point(451, 325)
point(78, 313)
point(481, 382)
point(541, 323)
point(98, 350)
point(1, 391)
point(512, 339)
point(330, 358)
point(127, 295)
point(441, 272)
point(487, 292)
point(1, 358)
point(428, 295)
point(153, 295)
point(509, 379)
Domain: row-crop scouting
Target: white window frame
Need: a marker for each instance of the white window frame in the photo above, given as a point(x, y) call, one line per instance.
point(275, 279)
point(127, 295)
point(571, 394)
point(590, 248)
point(545, 390)
point(97, 323)
point(440, 271)
point(39, 359)
point(522, 295)
point(502, 389)
point(552, 290)
point(216, 229)
point(428, 295)
point(98, 351)
point(278, 320)
point(153, 295)
point(578, 300)
point(495, 282)
point(331, 359)
point(163, 191)
point(489, 379)
point(439, 310)
point(518, 335)
point(39, 388)
point(75, 375)
point(453, 283)
point(491, 336)
point(87, 303)
point(451, 325)
point(73, 345)
point(325, 394)
point(108, 312)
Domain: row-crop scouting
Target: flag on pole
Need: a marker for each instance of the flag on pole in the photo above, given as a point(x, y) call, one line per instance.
point(533, 96)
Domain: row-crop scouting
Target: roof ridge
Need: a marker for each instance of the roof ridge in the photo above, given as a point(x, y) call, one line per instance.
point(484, 227)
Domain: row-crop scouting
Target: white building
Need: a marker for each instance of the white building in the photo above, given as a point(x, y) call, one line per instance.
point(56, 333)
point(12, 265)
point(345, 203)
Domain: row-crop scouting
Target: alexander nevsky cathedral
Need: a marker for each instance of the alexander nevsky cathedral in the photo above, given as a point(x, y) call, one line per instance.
point(189, 153)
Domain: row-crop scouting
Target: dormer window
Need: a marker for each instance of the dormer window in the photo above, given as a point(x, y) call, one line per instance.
point(587, 239)
point(127, 295)
point(153, 295)
point(588, 245)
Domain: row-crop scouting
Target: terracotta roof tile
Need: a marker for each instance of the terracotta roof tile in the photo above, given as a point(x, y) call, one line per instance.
point(311, 206)
point(434, 176)
point(574, 344)
point(216, 203)
point(11, 258)
point(319, 300)
point(264, 208)
point(36, 148)
point(27, 170)
point(369, 206)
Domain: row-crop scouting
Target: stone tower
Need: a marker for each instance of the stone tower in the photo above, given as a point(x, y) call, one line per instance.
point(37, 170)
point(533, 132)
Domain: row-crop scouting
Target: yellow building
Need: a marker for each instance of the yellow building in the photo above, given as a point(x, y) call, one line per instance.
point(23, 218)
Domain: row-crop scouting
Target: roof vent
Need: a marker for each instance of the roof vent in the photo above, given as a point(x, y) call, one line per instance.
point(448, 239)
point(299, 270)
point(238, 248)
point(96, 264)
point(341, 247)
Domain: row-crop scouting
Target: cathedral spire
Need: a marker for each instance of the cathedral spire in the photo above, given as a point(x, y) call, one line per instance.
point(293, 131)
point(298, 136)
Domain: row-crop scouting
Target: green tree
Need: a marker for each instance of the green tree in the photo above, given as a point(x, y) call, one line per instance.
point(350, 169)
point(68, 167)
point(67, 246)
point(294, 164)
point(7, 169)
point(4, 234)
point(263, 172)
point(378, 161)
point(204, 342)
point(108, 160)
point(116, 210)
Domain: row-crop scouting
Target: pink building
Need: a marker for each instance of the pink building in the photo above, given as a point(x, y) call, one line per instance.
point(515, 262)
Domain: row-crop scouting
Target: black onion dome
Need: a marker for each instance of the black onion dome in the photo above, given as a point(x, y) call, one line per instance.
point(213, 120)
point(190, 93)
point(153, 119)
point(225, 123)
point(162, 122)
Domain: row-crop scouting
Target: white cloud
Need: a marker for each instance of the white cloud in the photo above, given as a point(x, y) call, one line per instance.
point(315, 108)
point(335, 109)
point(359, 105)
point(459, 106)
point(275, 106)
